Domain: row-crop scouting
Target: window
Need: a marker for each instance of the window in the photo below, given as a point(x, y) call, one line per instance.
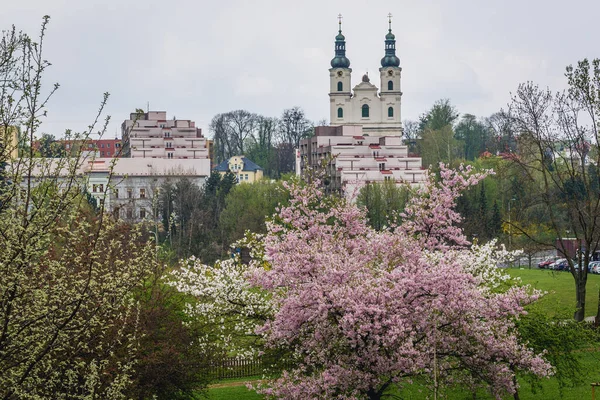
point(388, 178)
point(340, 112)
point(101, 154)
point(390, 112)
point(365, 111)
point(142, 213)
point(142, 193)
point(108, 154)
point(246, 176)
point(102, 145)
point(340, 86)
point(390, 85)
point(169, 145)
point(116, 193)
point(129, 213)
point(107, 145)
point(117, 145)
point(129, 193)
point(94, 188)
point(167, 133)
point(381, 166)
point(90, 145)
point(169, 155)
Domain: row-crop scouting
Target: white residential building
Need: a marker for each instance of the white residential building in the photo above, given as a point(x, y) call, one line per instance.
point(129, 186)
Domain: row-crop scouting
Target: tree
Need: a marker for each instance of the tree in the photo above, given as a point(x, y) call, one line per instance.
point(294, 126)
point(439, 146)
point(261, 149)
point(441, 114)
point(411, 133)
point(248, 206)
point(383, 202)
point(473, 134)
point(561, 180)
point(66, 272)
point(364, 311)
point(50, 147)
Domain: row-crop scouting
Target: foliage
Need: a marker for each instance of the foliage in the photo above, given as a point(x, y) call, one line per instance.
point(269, 142)
point(68, 325)
point(382, 202)
point(557, 133)
point(248, 206)
point(363, 310)
point(171, 364)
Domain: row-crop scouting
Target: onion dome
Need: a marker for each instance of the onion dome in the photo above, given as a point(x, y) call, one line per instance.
point(340, 60)
point(390, 59)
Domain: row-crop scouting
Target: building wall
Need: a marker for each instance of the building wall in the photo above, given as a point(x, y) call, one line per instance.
point(379, 122)
point(9, 142)
point(352, 158)
point(131, 191)
point(236, 165)
point(151, 135)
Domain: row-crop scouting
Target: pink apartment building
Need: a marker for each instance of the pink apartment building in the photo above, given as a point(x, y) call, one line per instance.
point(152, 135)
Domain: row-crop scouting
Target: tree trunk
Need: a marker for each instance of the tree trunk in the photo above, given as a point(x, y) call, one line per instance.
point(597, 320)
point(515, 383)
point(580, 282)
point(373, 394)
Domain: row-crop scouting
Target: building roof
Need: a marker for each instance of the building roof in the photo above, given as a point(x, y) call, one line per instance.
point(248, 166)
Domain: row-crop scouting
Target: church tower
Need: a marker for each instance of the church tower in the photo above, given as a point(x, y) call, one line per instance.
point(390, 74)
point(340, 80)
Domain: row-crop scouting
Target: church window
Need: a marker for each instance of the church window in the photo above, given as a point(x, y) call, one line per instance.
point(365, 111)
point(390, 85)
point(390, 112)
point(340, 86)
point(340, 112)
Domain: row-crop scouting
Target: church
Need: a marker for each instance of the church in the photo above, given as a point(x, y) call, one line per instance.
point(377, 111)
point(363, 143)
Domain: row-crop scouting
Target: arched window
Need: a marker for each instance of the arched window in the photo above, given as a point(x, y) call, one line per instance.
point(365, 111)
point(390, 85)
point(340, 86)
point(390, 111)
point(340, 112)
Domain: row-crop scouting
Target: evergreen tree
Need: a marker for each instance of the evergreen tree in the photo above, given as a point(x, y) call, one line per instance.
point(496, 222)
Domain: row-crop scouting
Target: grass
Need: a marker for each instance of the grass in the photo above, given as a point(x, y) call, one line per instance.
point(560, 286)
point(560, 297)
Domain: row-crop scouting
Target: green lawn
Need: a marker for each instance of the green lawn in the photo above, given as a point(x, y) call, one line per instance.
point(561, 296)
point(560, 286)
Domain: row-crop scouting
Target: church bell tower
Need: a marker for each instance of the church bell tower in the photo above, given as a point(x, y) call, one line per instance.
point(340, 75)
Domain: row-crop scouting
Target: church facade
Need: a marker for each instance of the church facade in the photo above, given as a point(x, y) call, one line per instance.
point(378, 111)
point(363, 143)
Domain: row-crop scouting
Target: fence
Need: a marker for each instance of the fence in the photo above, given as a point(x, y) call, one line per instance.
point(234, 367)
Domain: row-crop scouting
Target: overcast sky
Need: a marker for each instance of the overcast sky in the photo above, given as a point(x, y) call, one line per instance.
point(195, 59)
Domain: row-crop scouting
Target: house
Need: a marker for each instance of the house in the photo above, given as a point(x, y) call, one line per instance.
point(244, 169)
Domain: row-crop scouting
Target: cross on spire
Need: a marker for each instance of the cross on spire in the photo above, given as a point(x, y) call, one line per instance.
point(390, 21)
point(340, 21)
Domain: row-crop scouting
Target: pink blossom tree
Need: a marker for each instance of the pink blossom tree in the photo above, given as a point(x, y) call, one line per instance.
point(363, 311)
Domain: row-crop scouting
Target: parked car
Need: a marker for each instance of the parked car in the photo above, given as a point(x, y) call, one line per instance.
point(546, 263)
point(594, 267)
point(559, 265)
